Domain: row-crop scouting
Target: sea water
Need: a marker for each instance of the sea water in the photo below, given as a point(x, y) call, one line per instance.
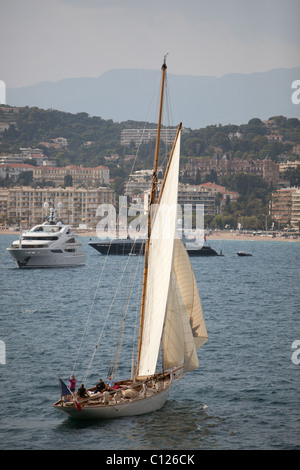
point(245, 394)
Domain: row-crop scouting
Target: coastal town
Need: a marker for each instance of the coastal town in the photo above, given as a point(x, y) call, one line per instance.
point(36, 174)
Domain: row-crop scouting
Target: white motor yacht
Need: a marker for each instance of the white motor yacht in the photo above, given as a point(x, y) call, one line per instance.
point(49, 245)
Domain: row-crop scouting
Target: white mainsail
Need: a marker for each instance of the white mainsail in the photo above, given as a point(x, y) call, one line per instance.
point(159, 268)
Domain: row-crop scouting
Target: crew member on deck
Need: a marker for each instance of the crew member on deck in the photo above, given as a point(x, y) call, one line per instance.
point(100, 387)
point(110, 383)
point(72, 383)
point(81, 392)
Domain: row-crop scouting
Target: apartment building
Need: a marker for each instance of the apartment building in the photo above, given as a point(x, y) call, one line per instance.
point(285, 206)
point(138, 183)
point(267, 168)
point(142, 136)
point(196, 196)
point(295, 213)
point(78, 175)
point(79, 205)
point(11, 159)
point(3, 205)
point(288, 166)
point(19, 158)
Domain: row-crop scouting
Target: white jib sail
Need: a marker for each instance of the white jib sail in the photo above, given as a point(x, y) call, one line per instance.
point(185, 329)
point(160, 263)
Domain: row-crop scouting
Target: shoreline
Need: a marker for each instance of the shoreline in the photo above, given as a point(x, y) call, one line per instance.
point(248, 237)
point(219, 235)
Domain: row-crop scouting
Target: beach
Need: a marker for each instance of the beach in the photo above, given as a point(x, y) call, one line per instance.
point(254, 236)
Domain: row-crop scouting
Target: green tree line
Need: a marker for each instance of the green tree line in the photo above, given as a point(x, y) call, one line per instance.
point(35, 125)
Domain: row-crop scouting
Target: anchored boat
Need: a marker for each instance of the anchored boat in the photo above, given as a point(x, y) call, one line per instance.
point(243, 253)
point(136, 246)
point(48, 245)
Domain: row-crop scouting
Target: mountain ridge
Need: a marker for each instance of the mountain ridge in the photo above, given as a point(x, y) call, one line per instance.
point(197, 101)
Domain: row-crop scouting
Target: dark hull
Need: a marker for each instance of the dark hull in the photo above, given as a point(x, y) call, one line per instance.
point(121, 247)
point(241, 253)
point(204, 251)
point(131, 247)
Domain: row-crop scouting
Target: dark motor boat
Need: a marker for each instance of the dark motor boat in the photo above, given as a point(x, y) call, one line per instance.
point(242, 253)
point(130, 246)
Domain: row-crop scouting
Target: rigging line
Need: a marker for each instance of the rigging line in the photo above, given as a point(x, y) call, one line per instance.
point(144, 128)
point(137, 308)
point(138, 303)
point(121, 327)
point(168, 105)
point(116, 362)
point(168, 120)
point(90, 312)
point(105, 321)
point(137, 316)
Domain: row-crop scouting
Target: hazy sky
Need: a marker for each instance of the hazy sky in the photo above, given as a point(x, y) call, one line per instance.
point(45, 40)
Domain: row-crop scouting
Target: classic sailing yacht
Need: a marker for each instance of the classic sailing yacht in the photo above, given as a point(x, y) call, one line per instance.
point(171, 318)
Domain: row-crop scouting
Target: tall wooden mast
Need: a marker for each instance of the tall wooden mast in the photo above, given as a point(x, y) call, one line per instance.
point(152, 201)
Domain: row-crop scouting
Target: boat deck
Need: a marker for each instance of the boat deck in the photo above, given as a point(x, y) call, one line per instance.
point(123, 394)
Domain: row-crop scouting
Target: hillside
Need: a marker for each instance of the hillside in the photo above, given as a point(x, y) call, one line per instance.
point(31, 126)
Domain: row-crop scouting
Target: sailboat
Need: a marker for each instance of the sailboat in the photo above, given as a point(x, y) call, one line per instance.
point(171, 325)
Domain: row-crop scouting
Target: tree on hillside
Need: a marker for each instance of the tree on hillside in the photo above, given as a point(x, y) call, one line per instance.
point(25, 178)
point(243, 183)
point(221, 140)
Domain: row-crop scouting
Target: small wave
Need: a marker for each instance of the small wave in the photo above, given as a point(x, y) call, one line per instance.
point(28, 311)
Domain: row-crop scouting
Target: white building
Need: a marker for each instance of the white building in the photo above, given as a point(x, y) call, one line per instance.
point(14, 170)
